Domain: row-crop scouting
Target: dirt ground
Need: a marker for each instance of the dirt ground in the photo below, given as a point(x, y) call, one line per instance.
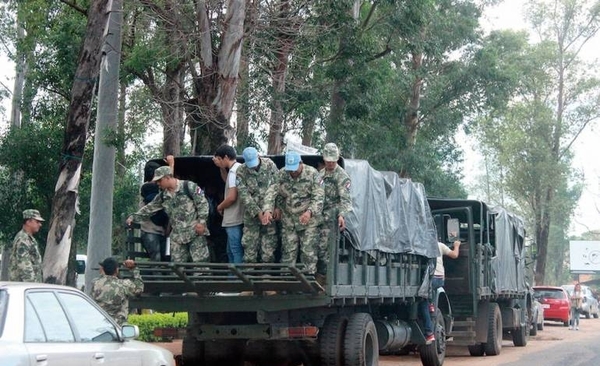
point(552, 333)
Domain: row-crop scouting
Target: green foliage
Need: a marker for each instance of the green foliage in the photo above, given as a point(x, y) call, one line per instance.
point(28, 175)
point(148, 322)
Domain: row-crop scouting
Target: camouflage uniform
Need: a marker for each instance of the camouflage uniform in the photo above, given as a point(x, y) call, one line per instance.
point(297, 196)
point(184, 214)
point(25, 263)
point(112, 294)
point(252, 185)
point(338, 202)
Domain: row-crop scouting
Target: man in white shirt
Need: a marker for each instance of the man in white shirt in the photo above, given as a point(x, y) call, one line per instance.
point(231, 207)
point(438, 281)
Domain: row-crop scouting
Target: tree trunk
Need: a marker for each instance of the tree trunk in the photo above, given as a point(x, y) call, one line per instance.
point(210, 112)
point(283, 47)
point(21, 72)
point(65, 201)
point(121, 161)
point(542, 233)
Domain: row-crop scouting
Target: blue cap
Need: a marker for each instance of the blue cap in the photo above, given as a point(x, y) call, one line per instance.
point(250, 157)
point(292, 161)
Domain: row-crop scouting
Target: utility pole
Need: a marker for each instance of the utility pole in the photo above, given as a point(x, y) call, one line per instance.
point(103, 168)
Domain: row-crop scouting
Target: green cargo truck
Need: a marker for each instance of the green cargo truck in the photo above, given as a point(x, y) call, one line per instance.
point(275, 313)
point(486, 284)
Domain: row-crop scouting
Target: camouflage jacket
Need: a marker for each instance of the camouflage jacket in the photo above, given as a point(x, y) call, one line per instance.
point(183, 212)
point(112, 294)
point(25, 263)
point(336, 185)
point(252, 185)
point(297, 194)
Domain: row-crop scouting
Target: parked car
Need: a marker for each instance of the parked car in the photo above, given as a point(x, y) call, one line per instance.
point(61, 326)
point(555, 302)
point(80, 264)
point(589, 307)
point(537, 320)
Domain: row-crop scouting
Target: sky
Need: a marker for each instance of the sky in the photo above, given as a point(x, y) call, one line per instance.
point(508, 14)
point(586, 148)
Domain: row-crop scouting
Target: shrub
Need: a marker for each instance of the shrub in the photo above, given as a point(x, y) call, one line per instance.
point(148, 322)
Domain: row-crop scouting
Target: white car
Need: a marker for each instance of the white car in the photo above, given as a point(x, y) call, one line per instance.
point(53, 325)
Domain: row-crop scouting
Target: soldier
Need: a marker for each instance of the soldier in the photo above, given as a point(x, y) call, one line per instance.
point(301, 195)
point(112, 293)
point(187, 208)
point(253, 179)
point(336, 205)
point(25, 262)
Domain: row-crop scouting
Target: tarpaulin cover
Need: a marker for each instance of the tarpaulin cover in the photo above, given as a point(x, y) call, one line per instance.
point(390, 214)
point(508, 264)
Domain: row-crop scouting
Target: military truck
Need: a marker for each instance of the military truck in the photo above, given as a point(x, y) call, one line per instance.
point(486, 284)
point(276, 313)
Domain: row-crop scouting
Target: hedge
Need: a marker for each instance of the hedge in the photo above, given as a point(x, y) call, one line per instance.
point(148, 322)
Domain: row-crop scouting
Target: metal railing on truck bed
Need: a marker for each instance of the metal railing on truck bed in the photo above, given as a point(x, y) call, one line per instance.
point(356, 278)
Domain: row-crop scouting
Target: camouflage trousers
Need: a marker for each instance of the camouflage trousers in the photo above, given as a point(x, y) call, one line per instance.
point(194, 251)
point(259, 242)
point(294, 237)
point(328, 232)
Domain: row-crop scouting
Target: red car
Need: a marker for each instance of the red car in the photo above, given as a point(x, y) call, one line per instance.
point(555, 302)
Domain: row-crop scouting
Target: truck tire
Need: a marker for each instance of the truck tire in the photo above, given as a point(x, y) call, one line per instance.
point(228, 352)
point(433, 354)
point(361, 346)
point(493, 346)
point(331, 340)
point(540, 326)
point(534, 329)
point(520, 336)
point(477, 350)
point(192, 351)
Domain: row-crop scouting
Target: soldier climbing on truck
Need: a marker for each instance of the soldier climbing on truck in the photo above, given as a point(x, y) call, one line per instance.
point(378, 271)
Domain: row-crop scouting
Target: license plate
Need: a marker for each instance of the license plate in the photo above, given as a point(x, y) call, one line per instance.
point(546, 306)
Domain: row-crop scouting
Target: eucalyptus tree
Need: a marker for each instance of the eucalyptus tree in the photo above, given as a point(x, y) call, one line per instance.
point(556, 99)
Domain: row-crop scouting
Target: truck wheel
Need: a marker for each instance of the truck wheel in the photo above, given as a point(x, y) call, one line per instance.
point(361, 346)
point(228, 352)
point(493, 345)
point(331, 340)
point(433, 354)
point(477, 350)
point(192, 351)
point(520, 336)
point(533, 330)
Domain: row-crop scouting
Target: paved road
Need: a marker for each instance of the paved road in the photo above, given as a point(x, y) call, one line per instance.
point(554, 346)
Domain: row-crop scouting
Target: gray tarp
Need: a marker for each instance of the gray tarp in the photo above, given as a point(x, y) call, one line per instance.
point(390, 214)
point(508, 264)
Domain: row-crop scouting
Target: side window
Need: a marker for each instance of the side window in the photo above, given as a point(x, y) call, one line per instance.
point(50, 315)
point(33, 328)
point(90, 324)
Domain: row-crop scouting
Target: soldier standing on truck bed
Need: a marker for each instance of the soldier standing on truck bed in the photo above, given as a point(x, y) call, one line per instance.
point(187, 208)
point(336, 205)
point(300, 191)
point(253, 179)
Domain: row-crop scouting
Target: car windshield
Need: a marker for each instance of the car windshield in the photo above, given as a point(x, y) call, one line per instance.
point(550, 294)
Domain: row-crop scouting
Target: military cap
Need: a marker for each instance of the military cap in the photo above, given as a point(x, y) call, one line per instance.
point(32, 214)
point(250, 157)
point(109, 265)
point(292, 161)
point(161, 173)
point(331, 152)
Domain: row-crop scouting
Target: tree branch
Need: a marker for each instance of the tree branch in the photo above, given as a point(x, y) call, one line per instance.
point(75, 6)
